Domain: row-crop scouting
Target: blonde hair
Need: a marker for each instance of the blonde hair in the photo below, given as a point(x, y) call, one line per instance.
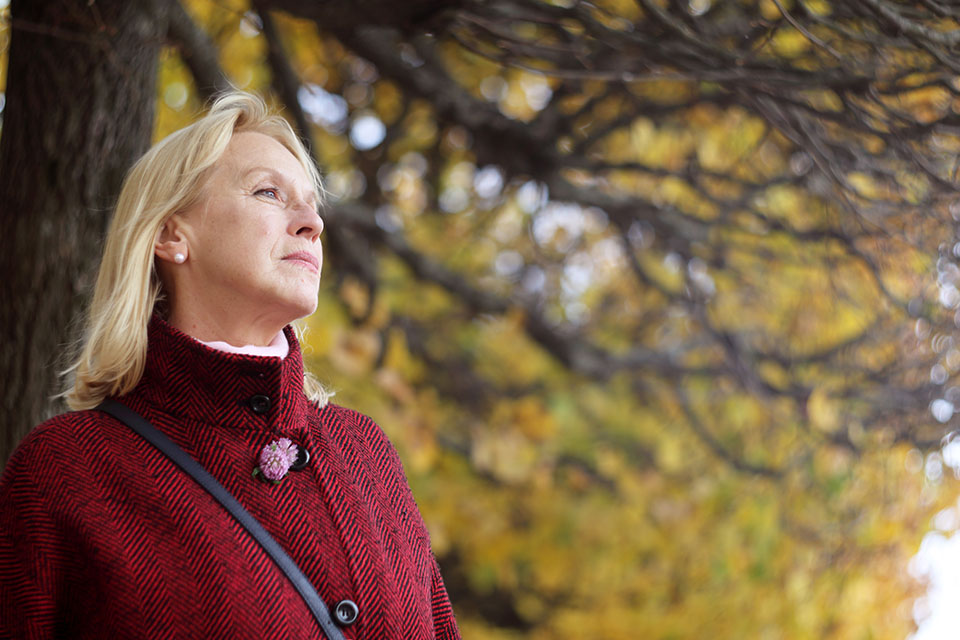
point(167, 179)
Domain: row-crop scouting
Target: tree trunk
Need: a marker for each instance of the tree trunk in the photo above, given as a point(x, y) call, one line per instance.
point(80, 95)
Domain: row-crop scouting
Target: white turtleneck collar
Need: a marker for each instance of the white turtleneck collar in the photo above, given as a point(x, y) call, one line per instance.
point(278, 347)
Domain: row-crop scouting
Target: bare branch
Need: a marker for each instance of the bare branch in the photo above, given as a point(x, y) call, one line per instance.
point(285, 80)
point(198, 52)
point(698, 428)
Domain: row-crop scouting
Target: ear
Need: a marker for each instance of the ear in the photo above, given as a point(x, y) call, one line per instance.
point(171, 243)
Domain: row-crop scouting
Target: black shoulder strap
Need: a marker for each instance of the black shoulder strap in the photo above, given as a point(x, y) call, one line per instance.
point(190, 466)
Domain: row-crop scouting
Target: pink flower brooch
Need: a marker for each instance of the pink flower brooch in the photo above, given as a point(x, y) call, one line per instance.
point(275, 460)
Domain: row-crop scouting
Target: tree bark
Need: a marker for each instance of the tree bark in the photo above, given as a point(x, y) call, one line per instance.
point(412, 15)
point(80, 96)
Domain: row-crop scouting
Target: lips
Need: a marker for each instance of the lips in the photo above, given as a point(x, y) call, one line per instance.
point(305, 258)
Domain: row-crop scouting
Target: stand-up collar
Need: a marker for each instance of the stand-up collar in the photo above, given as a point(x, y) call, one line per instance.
point(192, 381)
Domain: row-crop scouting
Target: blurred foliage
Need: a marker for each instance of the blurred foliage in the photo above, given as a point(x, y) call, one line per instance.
point(751, 452)
point(566, 507)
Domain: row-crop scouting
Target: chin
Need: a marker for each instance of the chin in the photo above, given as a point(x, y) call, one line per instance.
point(291, 300)
point(304, 308)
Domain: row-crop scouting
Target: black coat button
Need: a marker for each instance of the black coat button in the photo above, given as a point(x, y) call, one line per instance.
point(345, 613)
point(259, 403)
point(303, 458)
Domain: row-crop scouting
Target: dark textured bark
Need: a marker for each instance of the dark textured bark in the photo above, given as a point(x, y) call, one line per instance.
point(80, 96)
point(413, 15)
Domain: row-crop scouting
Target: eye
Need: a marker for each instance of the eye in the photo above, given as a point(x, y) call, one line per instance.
point(270, 192)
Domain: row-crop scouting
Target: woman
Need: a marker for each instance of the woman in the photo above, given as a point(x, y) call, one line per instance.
point(213, 251)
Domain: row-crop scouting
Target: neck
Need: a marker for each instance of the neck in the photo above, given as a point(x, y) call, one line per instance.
point(258, 331)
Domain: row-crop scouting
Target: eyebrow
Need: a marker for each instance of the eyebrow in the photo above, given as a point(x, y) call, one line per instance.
point(278, 175)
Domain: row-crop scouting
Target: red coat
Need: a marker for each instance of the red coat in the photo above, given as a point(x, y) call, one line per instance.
point(101, 536)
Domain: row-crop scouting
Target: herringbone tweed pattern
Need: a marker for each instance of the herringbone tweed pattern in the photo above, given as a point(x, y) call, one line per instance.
point(102, 537)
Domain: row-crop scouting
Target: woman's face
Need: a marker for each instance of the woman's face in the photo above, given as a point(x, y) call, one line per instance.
point(252, 239)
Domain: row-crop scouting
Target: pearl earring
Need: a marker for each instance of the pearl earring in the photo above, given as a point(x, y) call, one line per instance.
point(179, 258)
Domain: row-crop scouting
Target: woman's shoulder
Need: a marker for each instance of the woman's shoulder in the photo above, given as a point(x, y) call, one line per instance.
point(350, 419)
point(359, 432)
point(64, 426)
point(53, 443)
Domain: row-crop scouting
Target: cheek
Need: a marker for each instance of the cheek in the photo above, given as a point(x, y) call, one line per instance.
point(249, 246)
point(266, 236)
point(255, 243)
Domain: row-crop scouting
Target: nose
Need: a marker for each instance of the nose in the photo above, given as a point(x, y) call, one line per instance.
point(307, 222)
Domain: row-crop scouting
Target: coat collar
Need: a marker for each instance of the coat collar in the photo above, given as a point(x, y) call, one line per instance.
point(191, 381)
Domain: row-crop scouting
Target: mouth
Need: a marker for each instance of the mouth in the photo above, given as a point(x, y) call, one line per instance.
point(305, 259)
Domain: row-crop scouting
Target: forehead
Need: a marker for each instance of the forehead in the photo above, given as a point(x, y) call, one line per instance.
point(250, 150)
